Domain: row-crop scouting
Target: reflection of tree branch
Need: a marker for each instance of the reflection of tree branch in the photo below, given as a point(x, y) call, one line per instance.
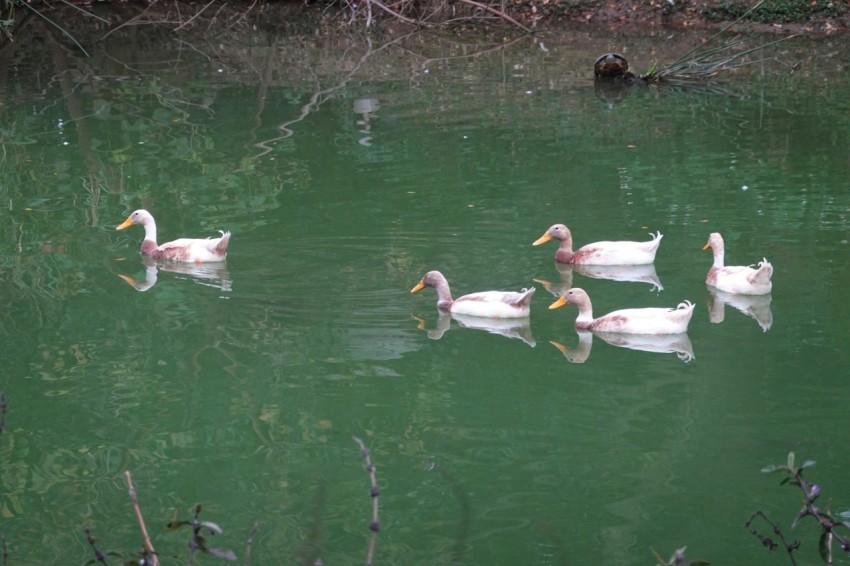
point(499, 13)
point(473, 55)
point(316, 100)
point(313, 539)
point(73, 100)
point(465, 512)
point(263, 89)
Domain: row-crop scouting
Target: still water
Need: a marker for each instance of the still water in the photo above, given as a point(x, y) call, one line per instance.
point(346, 170)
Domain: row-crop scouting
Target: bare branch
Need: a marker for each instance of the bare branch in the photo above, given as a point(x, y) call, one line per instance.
point(374, 526)
point(499, 13)
point(149, 549)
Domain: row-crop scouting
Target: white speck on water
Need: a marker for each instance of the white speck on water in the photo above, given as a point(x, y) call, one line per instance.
point(529, 92)
point(745, 188)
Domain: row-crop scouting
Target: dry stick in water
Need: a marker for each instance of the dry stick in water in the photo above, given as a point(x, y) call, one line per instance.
point(254, 530)
point(146, 539)
point(2, 409)
point(374, 492)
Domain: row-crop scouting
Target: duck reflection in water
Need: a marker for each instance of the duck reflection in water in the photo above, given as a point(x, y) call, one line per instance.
point(754, 306)
point(627, 273)
point(519, 328)
point(680, 344)
point(209, 274)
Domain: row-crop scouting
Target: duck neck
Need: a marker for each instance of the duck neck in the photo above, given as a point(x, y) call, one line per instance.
point(718, 256)
point(585, 314)
point(565, 249)
point(150, 232)
point(444, 295)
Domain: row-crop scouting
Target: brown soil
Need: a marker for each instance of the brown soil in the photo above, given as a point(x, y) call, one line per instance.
point(616, 14)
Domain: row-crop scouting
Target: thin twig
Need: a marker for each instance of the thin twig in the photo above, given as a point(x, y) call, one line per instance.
point(393, 13)
point(149, 549)
point(374, 526)
point(502, 15)
point(3, 407)
point(132, 21)
point(250, 543)
point(724, 29)
point(189, 21)
point(57, 26)
point(98, 554)
point(767, 541)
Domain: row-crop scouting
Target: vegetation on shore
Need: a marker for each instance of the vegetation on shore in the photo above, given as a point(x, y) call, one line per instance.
point(797, 16)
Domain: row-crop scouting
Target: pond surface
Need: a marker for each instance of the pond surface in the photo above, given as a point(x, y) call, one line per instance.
point(346, 170)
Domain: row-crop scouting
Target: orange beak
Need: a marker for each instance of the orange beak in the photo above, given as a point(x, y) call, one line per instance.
point(558, 304)
point(419, 287)
point(542, 239)
point(706, 246)
point(126, 224)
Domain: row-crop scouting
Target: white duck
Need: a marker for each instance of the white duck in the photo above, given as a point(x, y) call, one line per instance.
point(493, 304)
point(600, 253)
point(196, 250)
point(739, 279)
point(628, 321)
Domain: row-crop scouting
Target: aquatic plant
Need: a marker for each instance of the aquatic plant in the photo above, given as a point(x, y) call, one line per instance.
point(198, 541)
point(811, 491)
point(707, 59)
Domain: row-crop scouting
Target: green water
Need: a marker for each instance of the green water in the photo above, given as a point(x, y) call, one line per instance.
point(241, 388)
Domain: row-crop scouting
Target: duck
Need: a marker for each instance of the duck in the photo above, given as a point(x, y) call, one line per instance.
point(627, 321)
point(189, 250)
point(737, 279)
point(492, 304)
point(600, 253)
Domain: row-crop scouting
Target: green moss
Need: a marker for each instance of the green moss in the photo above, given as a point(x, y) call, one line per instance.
point(777, 10)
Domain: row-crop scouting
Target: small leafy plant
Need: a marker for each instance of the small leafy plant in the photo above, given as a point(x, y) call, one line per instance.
point(829, 523)
point(198, 542)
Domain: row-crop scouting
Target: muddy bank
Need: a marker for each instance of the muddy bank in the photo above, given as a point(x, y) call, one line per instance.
point(802, 17)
